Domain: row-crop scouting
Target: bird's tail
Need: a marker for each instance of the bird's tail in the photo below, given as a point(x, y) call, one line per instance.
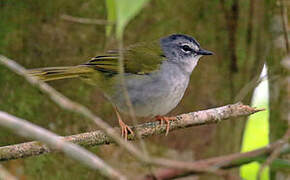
point(56, 73)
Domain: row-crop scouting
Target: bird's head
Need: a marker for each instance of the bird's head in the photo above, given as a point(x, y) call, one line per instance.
point(183, 49)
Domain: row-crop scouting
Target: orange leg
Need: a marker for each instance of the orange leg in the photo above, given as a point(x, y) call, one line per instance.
point(166, 119)
point(124, 127)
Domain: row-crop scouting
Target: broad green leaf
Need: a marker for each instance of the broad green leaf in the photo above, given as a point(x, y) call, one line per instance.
point(126, 10)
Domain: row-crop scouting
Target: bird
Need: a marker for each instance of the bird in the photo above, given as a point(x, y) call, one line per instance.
point(156, 75)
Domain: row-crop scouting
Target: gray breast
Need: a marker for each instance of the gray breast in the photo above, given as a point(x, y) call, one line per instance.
point(154, 94)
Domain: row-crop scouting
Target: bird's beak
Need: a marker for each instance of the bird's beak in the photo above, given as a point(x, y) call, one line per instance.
point(204, 52)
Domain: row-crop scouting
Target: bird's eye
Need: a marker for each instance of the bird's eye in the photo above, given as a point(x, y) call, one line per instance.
point(186, 48)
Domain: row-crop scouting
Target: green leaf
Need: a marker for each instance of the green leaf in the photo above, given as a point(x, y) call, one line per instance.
point(111, 12)
point(126, 10)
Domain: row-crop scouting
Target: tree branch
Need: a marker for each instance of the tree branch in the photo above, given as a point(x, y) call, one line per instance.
point(276, 152)
point(94, 138)
point(222, 162)
point(27, 129)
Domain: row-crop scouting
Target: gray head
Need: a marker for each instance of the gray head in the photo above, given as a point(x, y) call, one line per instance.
point(183, 50)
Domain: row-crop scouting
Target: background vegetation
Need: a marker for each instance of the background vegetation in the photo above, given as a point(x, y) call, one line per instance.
point(243, 34)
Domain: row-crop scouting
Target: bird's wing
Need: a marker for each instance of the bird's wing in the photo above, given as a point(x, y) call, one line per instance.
point(138, 59)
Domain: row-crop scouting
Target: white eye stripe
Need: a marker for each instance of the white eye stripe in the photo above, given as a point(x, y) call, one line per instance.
point(195, 48)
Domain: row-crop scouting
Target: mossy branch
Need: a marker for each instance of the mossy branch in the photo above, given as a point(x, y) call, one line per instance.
point(99, 137)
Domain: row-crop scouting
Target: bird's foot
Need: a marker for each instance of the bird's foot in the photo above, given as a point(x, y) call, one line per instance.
point(124, 129)
point(166, 119)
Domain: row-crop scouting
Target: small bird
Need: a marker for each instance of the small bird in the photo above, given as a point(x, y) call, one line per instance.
point(156, 76)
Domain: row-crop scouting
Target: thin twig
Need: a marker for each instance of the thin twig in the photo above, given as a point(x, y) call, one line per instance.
point(222, 162)
point(146, 130)
point(5, 175)
point(250, 86)
point(276, 152)
point(68, 104)
point(85, 20)
point(27, 129)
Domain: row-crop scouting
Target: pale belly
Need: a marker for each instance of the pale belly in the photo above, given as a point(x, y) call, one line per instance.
point(153, 95)
point(158, 101)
